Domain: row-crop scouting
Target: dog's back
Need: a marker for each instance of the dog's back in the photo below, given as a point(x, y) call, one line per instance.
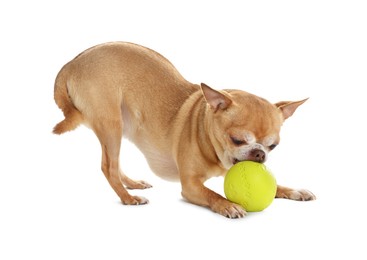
point(85, 88)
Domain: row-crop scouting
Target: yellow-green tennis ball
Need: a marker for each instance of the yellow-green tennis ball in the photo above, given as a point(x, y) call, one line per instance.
point(250, 185)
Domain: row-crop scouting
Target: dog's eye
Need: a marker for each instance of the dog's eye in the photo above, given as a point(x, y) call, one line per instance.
point(237, 141)
point(271, 147)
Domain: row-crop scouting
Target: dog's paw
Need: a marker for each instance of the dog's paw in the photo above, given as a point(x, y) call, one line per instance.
point(300, 195)
point(134, 200)
point(230, 210)
point(132, 184)
point(141, 185)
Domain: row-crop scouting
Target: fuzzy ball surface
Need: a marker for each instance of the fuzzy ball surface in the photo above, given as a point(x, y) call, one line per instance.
point(250, 185)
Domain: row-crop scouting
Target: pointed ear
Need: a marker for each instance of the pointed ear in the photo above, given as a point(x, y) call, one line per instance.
point(214, 98)
point(288, 107)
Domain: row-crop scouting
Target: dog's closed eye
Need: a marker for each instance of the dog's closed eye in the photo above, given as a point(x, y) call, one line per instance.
point(237, 141)
point(271, 147)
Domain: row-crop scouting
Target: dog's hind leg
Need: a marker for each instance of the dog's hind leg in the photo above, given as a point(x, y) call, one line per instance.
point(109, 133)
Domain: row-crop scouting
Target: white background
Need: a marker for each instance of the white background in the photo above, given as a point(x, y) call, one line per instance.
point(54, 200)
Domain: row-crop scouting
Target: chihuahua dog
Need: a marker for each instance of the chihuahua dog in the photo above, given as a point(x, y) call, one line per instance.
point(187, 132)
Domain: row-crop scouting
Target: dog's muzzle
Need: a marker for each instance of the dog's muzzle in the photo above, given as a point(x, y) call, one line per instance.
point(255, 155)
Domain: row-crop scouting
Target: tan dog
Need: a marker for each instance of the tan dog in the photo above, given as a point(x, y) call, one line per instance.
point(187, 132)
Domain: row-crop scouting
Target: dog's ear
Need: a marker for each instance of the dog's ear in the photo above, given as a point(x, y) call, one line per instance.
point(288, 107)
point(214, 98)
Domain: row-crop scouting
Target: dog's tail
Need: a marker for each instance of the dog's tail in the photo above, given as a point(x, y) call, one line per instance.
point(73, 117)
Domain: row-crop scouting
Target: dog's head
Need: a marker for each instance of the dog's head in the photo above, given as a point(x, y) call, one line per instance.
point(242, 126)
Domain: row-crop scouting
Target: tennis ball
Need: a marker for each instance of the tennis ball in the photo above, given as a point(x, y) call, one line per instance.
point(251, 185)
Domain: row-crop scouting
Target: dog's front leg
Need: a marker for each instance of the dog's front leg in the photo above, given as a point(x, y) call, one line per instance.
point(194, 191)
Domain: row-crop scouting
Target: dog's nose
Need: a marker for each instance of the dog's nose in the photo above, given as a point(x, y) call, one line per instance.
point(258, 155)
